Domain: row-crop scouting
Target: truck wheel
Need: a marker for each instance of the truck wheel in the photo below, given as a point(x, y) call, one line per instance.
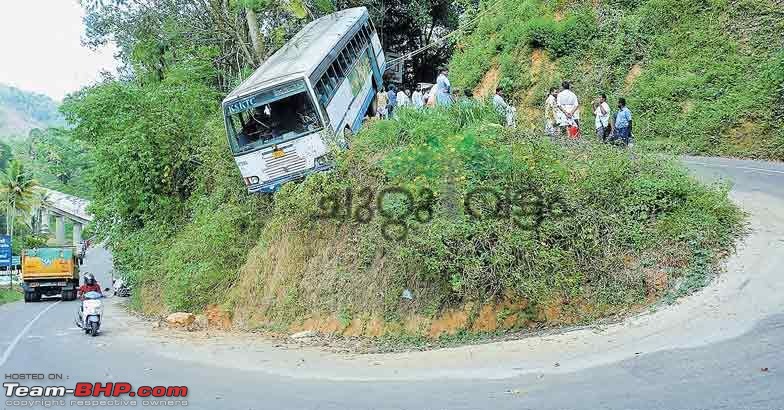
point(69, 294)
point(32, 296)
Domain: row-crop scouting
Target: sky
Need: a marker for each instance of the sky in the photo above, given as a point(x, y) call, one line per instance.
point(41, 51)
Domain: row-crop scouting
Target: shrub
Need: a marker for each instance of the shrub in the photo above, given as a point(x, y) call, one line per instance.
point(579, 224)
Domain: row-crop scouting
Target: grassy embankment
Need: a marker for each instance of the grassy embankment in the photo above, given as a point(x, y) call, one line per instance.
point(590, 231)
point(701, 77)
point(593, 231)
point(9, 295)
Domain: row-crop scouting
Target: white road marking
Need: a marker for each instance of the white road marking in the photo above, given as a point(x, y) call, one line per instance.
point(736, 167)
point(21, 334)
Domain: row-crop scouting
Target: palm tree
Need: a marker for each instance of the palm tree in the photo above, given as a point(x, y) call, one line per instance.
point(17, 188)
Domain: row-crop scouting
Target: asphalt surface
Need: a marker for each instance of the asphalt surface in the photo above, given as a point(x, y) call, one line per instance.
point(744, 371)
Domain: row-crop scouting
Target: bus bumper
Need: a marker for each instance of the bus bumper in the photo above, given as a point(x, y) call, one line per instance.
point(274, 184)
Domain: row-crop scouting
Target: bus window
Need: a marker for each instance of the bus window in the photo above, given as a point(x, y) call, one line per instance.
point(322, 93)
point(285, 118)
point(344, 61)
point(348, 52)
point(354, 48)
point(339, 69)
point(324, 81)
point(332, 77)
point(365, 34)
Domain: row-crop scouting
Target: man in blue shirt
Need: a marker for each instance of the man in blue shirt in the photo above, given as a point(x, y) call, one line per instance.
point(391, 100)
point(623, 122)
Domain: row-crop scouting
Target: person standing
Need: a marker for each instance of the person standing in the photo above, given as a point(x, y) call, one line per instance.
point(623, 122)
point(508, 112)
point(391, 100)
point(601, 111)
point(416, 98)
point(381, 103)
point(444, 92)
point(432, 94)
point(550, 108)
point(568, 107)
point(403, 98)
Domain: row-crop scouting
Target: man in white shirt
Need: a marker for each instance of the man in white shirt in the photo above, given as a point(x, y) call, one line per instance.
point(505, 110)
point(381, 103)
point(402, 99)
point(568, 107)
point(601, 111)
point(416, 98)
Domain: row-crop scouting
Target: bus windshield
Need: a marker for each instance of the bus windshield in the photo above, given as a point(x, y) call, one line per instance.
point(273, 122)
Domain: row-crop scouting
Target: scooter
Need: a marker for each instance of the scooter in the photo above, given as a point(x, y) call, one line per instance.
point(120, 288)
point(90, 314)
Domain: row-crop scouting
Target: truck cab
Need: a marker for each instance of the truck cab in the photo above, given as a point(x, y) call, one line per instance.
point(50, 272)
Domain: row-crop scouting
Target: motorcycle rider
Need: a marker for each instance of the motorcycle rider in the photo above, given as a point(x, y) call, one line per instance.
point(90, 285)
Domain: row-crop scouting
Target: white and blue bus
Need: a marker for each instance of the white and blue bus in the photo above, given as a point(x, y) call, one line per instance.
point(320, 84)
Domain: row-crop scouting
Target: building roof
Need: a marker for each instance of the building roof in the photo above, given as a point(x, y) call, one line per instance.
point(303, 52)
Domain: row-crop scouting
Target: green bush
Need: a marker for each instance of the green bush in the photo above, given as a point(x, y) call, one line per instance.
point(583, 223)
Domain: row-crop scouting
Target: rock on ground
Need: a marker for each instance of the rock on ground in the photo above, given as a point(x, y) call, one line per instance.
point(304, 334)
point(180, 319)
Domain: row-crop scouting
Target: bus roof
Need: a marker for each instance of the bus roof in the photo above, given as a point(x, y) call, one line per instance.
point(303, 52)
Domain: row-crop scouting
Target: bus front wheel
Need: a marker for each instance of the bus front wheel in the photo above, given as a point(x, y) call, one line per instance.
point(348, 135)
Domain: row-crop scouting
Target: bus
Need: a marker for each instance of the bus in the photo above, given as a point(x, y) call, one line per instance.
point(319, 85)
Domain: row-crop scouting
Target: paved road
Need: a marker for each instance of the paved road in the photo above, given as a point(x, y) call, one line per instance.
point(721, 367)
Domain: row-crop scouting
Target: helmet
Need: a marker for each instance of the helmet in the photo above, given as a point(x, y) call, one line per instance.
point(89, 279)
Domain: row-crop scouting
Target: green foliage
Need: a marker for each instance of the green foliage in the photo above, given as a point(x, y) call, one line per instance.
point(588, 221)
point(707, 73)
point(144, 140)
point(10, 295)
point(57, 161)
point(585, 223)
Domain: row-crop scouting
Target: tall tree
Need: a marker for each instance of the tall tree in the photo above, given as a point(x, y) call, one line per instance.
point(17, 190)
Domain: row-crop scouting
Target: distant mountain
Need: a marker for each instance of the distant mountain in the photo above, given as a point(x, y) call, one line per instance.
point(21, 111)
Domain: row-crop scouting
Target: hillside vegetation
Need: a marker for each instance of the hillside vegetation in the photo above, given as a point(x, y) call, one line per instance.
point(454, 225)
point(22, 111)
point(587, 231)
point(701, 77)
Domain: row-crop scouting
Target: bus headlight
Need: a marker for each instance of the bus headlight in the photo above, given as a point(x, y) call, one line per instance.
point(251, 180)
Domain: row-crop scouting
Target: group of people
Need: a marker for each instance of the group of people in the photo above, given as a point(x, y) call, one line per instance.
point(391, 98)
point(562, 115)
point(562, 108)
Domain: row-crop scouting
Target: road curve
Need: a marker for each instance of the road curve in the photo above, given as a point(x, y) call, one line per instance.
point(720, 348)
